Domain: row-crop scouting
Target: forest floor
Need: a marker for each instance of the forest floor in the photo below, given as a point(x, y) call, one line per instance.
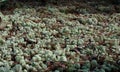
point(67, 37)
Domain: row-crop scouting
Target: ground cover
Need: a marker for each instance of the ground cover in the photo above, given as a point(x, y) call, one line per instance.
point(76, 37)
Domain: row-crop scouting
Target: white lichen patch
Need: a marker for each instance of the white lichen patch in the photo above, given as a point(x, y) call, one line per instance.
point(30, 41)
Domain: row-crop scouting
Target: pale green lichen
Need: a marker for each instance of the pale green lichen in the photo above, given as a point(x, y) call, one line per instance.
point(1, 42)
point(59, 37)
